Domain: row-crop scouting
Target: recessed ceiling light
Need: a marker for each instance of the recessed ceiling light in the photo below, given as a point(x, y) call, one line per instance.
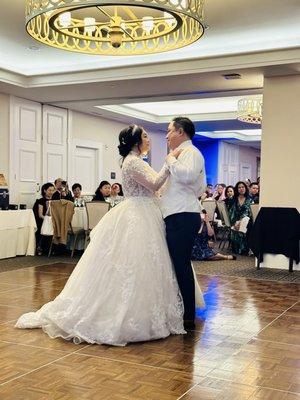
point(33, 48)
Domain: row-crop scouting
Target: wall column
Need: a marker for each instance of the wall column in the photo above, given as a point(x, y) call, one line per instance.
point(280, 148)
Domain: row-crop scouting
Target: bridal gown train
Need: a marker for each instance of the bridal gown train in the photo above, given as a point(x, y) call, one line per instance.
point(123, 288)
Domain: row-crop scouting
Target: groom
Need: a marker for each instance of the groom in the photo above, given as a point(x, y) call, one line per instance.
point(181, 208)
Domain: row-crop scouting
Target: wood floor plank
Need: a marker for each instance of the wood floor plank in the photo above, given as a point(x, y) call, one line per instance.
point(245, 346)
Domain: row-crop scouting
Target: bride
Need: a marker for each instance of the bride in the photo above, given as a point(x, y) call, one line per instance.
point(123, 289)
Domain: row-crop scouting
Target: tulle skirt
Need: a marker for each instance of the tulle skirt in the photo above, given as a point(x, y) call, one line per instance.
point(123, 288)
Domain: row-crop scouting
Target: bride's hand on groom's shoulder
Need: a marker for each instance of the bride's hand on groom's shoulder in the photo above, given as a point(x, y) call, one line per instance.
point(175, 153)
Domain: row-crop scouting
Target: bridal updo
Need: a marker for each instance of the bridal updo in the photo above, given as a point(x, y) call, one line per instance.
point(128, 138)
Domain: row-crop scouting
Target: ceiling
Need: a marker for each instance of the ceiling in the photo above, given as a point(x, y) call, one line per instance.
point(251, 37)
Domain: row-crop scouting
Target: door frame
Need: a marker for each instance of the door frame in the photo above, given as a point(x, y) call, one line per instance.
point(14, 191)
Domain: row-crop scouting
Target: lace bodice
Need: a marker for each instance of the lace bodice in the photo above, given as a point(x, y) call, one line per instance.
point(139, 179)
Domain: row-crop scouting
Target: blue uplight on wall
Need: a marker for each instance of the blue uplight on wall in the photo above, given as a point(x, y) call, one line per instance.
point(210, 151)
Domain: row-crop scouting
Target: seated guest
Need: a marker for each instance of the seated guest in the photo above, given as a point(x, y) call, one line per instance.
point(254, 193)
point(239, 210)
point(58, 185)
point(103, 192)
point(115, 195)
point(208, 192)
point(78, 199)
point(63, 192)
point(39, 209)
point(219, 193)
point(229, 197)
point(66, 193)
point(121, 189)
point(201, 249)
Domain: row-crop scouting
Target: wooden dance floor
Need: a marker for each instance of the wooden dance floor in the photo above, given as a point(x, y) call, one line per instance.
point(246, 345)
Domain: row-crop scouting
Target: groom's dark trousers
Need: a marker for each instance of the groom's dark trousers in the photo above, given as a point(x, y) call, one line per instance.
point(181, 231)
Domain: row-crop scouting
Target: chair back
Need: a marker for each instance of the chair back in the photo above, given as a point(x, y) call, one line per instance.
point(62, 212)
point(224, 213)
point(210, 208)
point(95, 211)
point(254, 210)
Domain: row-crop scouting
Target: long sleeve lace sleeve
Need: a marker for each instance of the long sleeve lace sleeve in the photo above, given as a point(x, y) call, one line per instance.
point(143, 174)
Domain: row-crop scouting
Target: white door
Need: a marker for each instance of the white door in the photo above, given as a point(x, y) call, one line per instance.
point(85, 168)
point(87, 165)
point(55, 146)
point(25, 151)
point(228, 164)
point(245, 172)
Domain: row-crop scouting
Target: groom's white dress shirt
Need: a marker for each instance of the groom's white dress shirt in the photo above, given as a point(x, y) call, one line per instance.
point(187, 181)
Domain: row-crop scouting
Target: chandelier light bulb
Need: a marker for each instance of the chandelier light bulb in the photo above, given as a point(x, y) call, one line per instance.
point(90, 25)
point(148, 24)
point(65, 19)
point(169, 20)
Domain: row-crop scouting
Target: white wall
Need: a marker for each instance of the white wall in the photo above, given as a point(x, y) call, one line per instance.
point(280, 165)
point(89, 127)
point(4, 135)
point(86, 127)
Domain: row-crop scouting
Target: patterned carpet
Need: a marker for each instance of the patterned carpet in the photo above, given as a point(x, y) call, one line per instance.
point(242, 267)
point(245, 267)
point(9, 264)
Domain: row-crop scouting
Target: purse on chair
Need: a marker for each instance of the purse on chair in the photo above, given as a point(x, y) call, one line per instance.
point(47, 226)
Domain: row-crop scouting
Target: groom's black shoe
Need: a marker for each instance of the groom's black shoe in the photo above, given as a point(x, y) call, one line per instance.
point(189, 324)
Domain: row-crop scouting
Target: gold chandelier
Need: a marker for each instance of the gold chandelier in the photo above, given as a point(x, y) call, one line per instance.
point(115, 27)
point(250, 110)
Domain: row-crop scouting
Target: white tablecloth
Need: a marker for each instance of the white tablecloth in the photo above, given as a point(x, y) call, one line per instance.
point(79, 219)
point(278, 261)
point(17, 233)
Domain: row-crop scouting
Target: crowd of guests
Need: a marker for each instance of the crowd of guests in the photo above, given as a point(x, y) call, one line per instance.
point(238, 200)
point(59, 190)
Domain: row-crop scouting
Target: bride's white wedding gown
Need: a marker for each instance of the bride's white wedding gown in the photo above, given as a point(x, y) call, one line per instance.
point(123, 289)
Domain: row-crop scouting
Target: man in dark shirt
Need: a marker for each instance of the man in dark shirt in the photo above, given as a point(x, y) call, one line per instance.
point(62, 191)
point(254, 193)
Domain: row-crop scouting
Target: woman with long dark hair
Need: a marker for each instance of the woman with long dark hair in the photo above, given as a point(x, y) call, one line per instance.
point(229, 197)
point(123, 289)
point(40, 208)
point(102, 192)
point(239, 210)
point(116, 194)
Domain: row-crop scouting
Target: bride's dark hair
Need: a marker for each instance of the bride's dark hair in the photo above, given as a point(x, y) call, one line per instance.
point(128, 138)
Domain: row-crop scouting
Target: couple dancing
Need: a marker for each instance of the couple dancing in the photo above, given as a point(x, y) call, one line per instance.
point(125, 288)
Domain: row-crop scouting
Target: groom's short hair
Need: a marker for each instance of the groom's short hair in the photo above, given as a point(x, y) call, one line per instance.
point(186, 124)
